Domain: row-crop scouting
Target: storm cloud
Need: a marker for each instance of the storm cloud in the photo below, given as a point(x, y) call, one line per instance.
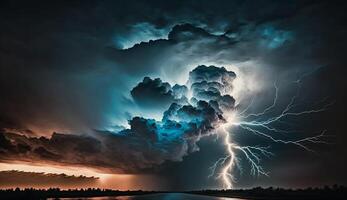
point(147, 142)
point(68, 68)
point(71, 59)
point(152, 93)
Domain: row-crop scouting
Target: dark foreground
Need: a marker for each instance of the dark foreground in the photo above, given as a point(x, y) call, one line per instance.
point(335, 192)
point(159, 196)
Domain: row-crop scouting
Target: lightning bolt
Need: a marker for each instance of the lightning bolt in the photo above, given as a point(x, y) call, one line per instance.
point(255, 123)
point(252, 154)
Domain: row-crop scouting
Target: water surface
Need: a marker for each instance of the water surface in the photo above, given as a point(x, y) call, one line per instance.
point(163, 196)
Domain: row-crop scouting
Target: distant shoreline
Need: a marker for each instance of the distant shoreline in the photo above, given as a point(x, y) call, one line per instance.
point(334, 192)
point(52, 193)
point(258, 193)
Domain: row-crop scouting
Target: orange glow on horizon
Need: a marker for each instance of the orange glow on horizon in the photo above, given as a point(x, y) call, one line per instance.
point(55, 169)
point(105, 181)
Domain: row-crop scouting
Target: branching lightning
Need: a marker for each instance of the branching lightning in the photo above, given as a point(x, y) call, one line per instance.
point(261, 125)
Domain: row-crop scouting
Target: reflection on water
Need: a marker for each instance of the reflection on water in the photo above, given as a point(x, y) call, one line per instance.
point(167, 196)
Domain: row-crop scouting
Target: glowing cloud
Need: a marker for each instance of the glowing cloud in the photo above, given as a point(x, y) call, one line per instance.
point(200, 108)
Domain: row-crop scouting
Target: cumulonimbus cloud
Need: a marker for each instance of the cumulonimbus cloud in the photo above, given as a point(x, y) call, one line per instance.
point(191, 113)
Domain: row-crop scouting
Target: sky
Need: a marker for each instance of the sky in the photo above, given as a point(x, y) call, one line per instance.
point(145, 93)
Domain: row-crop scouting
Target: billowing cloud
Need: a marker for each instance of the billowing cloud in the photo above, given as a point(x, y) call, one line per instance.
point(212, 83)
point(147, 142)
point(152, 93)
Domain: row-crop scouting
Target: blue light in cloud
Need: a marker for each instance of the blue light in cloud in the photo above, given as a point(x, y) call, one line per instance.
point(275, 38)
point(140, 32)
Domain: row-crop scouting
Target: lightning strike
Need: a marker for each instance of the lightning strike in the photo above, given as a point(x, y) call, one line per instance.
point(263, 128)
point(226, 171)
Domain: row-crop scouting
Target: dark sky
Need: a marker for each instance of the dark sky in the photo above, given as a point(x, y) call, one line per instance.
point(73, 72)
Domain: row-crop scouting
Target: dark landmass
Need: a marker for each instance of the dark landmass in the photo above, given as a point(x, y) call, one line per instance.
point(326, 192)
point(31, 193)
point(334, 192)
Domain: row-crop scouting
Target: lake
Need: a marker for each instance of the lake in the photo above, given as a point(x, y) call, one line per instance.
point(163, 196)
